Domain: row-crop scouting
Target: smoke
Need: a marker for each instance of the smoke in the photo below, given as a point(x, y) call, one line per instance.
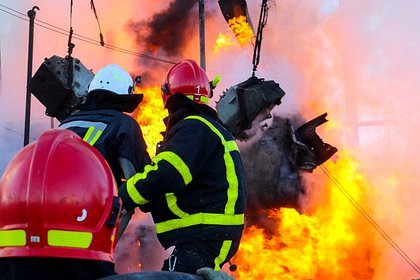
point(167, 31)
point(358, 63)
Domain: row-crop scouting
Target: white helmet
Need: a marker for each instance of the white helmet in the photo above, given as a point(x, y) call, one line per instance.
point(112, 78)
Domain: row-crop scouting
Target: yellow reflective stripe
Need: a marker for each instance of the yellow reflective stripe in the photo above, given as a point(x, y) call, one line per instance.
point(173, 206)
point(94, 128)
point(203, 99)
point(72, 239)
point(88, 136)
point(231, 177)
point(200, 219)
point(231, 146)
point(171, 158)
point(232, 192)
point(88, 133)
point(177, 163)
point(131, 184)
point(15, 237)
point(97, 135)
point(224, 251)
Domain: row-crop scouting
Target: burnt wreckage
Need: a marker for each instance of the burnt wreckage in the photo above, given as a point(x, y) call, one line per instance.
point(273, 162)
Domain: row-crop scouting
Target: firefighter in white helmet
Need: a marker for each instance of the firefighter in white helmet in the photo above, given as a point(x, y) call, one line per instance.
point(59, 211)
point(102, 123)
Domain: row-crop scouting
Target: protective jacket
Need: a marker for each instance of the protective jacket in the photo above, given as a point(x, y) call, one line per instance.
point(195, 187)
point(103, 124)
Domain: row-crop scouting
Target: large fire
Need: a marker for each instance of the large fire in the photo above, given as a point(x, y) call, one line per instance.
point(332, 241)
point(323, 243)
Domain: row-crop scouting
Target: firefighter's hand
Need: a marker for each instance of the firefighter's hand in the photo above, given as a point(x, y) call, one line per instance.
point(210, 274)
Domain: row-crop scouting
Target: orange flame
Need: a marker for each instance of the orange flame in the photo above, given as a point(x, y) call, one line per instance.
point(241, 29)
point(149, 115)
point(325, 244)
point(223, 42)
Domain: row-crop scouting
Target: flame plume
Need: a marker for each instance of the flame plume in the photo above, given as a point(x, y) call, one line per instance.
point(223, 42)
point(241, 29)
point(320, 244)
point(149, 115)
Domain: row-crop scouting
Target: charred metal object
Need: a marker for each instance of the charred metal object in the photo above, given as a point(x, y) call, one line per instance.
point(240, 104)
point(309, 149)
point(234, 8)
point(60, 84)
point(272, 178)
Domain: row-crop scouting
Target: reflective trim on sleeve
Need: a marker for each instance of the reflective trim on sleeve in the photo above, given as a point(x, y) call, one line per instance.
point(200, 219)
point(72, 239)
point(13, 238)
point(224, 251)
point(131, 184)
point(167, 156)
point(232, 192)
point(177, 163)
point(95, 129)
point(173, 206)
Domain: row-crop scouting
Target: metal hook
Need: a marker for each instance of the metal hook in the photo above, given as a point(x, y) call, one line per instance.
point(172, 265)
point(31, 13)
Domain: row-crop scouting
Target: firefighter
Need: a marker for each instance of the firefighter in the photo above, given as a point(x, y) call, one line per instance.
point(194, 187)
point(59, 211)
point(101, 121)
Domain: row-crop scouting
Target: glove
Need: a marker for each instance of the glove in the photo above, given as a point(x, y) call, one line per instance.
point(210, 274)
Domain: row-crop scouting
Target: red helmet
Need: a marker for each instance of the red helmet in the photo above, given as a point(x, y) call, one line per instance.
point(58, 199)
point(188, 78)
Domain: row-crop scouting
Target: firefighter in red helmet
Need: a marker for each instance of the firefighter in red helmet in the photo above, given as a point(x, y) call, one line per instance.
point(59, 211)
point(195, 187)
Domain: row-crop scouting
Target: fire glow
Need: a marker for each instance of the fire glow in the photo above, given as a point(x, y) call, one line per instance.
point(356, 60)
point(319, 244)
point(150, 115)
point(241, 29)
point(325, 243)
point(223, 42)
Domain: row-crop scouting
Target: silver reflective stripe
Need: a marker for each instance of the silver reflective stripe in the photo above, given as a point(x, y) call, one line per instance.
point(95, 129)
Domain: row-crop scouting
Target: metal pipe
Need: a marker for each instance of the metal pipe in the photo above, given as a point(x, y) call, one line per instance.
point(202, 34)
point(31, 15)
